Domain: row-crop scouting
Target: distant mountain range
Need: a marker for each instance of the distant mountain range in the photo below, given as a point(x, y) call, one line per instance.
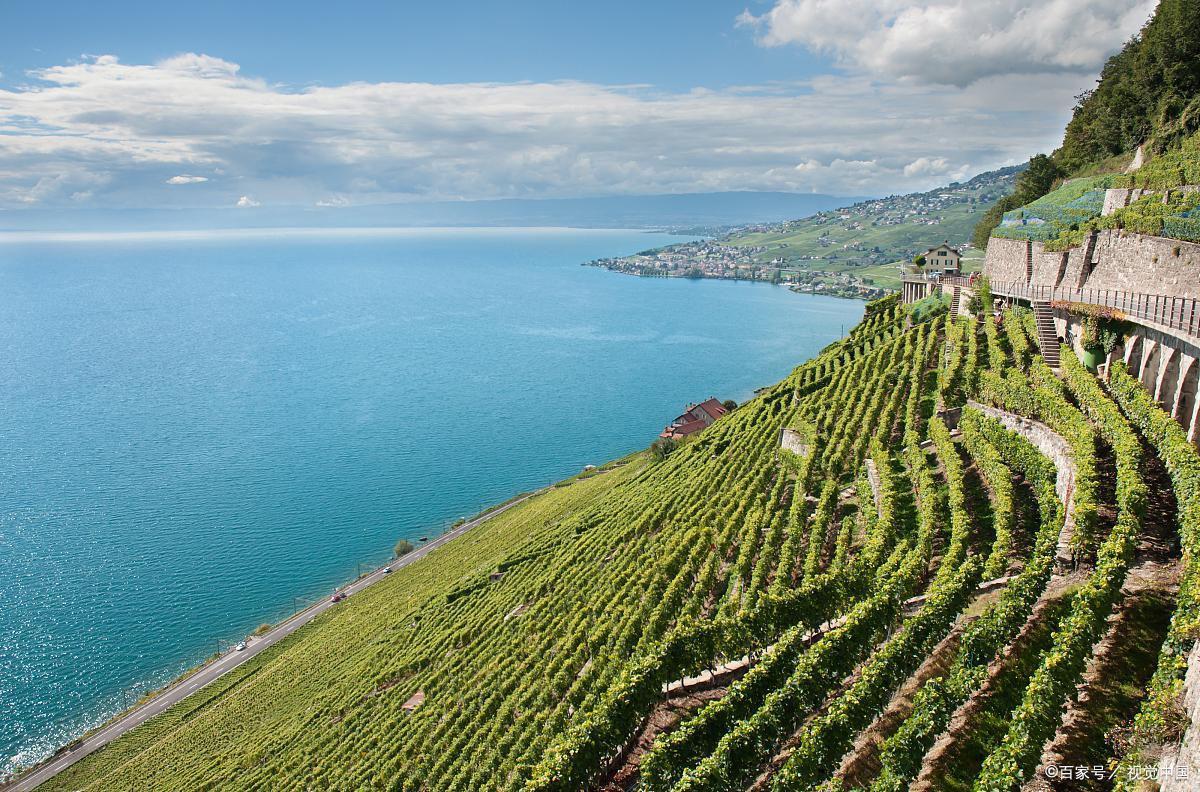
point(695, 211)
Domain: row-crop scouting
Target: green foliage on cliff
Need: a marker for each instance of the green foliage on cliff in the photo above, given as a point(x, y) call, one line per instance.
point(1169, 169)
point(1148, 93)
point(1149, 215)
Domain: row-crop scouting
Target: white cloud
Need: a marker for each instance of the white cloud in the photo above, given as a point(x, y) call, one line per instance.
point(185, 179)
point(955, 42)
point(334, 201)
point(927, 166)
point(129, 133)
point(246, 202)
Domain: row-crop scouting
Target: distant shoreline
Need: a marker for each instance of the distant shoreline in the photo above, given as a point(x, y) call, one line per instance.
point(823, 291)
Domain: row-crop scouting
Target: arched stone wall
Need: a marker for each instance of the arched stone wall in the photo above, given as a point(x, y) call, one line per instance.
point(1149, 367)
point(1185, 398)
point(1168, 378)
point(1133, 355)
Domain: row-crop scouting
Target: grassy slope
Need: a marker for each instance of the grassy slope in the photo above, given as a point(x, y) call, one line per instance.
point(897, 241)
point(870, 240)
point(848, 252)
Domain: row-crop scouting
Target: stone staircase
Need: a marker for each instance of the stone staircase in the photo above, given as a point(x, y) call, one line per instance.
point(955, 299)
point(1047, 337)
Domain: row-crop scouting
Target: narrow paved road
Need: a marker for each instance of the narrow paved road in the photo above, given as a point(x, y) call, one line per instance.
point(227, 662)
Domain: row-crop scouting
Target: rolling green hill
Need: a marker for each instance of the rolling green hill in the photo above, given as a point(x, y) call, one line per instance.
point(542, 641)
point(856, 251)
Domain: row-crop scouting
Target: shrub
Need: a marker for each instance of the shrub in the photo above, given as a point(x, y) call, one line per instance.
point(663, 447)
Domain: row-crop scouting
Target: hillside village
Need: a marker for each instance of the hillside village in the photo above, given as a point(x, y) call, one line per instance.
point(858, 251)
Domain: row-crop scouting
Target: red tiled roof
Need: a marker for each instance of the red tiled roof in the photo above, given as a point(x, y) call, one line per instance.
point(697, 417)
point(683, 429)
point(713, 407)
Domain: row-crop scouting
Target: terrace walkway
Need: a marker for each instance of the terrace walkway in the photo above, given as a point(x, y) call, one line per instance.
point(1181, 314)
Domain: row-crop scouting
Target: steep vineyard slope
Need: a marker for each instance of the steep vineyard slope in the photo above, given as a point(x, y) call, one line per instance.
point(896, 593)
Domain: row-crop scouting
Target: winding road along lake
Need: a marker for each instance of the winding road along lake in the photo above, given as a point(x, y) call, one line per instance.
point(194, 432)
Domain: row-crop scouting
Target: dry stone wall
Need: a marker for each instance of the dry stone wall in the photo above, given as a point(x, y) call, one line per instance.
point(1119, 261)
point(1055, 448)
point(1150, 265)
point(1005, 260)
point(795, 441)
point(1047, 267)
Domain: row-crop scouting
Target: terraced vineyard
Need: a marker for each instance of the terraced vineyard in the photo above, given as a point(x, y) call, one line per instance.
point(905, 606)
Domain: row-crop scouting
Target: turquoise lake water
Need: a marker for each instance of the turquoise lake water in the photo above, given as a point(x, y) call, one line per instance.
point(197, 431)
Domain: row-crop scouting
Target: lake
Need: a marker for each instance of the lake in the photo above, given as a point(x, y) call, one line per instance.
point(200, 432)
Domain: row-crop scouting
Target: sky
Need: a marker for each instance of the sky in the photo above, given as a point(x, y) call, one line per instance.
point(311, 104)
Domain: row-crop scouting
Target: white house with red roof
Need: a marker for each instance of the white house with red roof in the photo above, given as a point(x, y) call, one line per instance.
point(695, 417)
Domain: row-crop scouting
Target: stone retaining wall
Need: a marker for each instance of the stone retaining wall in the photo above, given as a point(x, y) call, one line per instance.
point(1055, 448)
point(1005, 260)
point(1179, 770)
point(795, 441)
point(1047, 267)
point(1120, 261)
point(1146, 264)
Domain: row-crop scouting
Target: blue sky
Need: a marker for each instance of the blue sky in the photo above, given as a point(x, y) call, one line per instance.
point(673, 44)
point(253, 104)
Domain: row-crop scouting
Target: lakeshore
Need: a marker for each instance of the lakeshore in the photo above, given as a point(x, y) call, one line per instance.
point(197, 678)
point(669, 264)
point(245, 401)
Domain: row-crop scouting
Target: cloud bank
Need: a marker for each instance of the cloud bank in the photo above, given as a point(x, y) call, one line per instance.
point(105, 133)
point(955, 42)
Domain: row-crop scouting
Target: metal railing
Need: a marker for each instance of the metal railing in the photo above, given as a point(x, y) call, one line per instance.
point(1177, 313)
point(936, 277)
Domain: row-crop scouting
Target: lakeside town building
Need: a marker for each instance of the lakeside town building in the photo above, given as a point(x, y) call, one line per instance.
point(694, 418)
point(943, 267)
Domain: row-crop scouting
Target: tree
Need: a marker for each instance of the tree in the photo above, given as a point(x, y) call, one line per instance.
point(403, 548)
point(984, 291)
point(663, 447)
point(919, 261)
point(1147, 92)
point(729, 404)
